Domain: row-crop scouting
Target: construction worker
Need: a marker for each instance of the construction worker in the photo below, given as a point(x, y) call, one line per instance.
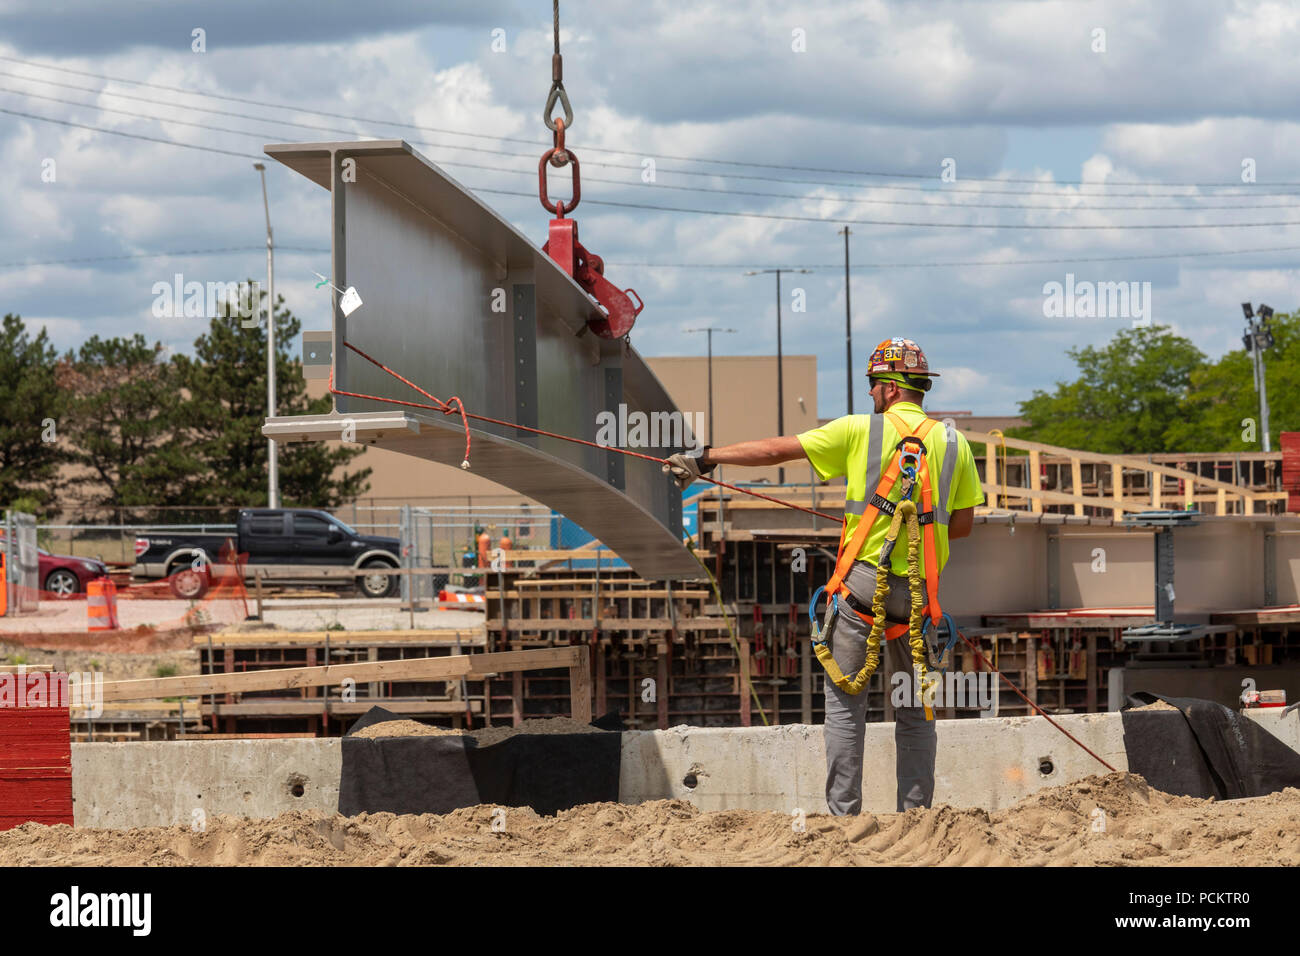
point(861, 448)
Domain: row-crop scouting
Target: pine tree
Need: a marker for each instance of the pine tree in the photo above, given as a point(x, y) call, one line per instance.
point(223, 412)
point(121, 419)
point(33, 407)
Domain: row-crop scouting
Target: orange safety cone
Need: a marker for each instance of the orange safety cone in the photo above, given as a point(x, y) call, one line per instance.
point(101, 605)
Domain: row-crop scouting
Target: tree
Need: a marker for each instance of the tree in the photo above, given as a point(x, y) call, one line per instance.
point(225, 407)
point(30, 450)
point(1126, 400)
point(1221, 409)
point(122, 398)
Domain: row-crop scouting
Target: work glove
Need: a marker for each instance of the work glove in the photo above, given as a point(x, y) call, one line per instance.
point(686, 469)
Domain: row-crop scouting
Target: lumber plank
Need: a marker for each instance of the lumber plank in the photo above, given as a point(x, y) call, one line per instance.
point(307, 708)
point(417, 668)
point(432, 637)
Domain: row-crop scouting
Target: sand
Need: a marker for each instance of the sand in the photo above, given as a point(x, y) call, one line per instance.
point(485, 737)
point(1056, 826)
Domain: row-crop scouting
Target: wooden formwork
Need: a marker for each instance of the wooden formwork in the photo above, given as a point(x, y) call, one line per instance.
point(345, 679)
point(329, 710)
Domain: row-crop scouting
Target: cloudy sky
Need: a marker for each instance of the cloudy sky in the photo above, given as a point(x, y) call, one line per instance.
point(771, 125)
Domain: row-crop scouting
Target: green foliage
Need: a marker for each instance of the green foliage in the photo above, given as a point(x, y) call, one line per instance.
point(143, 431)
point(32, 404)
point(165, 670)
point(1129, 395)
point(26, 503)
point(222, 416)
point(1222, 399)
point(122, 396)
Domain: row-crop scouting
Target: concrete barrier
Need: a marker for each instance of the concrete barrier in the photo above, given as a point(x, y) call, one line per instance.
point(988, 763)
point(162, 783)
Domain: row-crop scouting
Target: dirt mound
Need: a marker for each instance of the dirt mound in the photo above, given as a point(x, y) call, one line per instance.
point(1057, 826)
point(485, 737)
point(403, 728)
point(1156, 705)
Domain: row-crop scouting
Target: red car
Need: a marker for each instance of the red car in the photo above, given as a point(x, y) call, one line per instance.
point(63, 576)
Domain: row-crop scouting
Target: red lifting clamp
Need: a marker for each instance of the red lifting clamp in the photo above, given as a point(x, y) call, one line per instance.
point(618, 310)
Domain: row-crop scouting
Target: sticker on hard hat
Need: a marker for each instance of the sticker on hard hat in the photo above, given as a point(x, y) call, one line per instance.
point(909, 359)
point(890, 354)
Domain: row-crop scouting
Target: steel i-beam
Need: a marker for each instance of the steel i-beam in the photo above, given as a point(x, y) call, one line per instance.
point(460, 302)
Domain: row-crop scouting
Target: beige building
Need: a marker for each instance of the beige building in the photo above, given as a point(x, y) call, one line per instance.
point(744, 404)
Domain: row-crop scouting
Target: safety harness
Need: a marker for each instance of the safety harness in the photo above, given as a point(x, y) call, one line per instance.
point(910, 466)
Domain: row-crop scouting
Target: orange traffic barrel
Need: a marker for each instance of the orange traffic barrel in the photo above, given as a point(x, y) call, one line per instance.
point(101, 605)
point(460, 598)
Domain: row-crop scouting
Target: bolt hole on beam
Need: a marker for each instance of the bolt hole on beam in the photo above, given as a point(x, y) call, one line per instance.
point(690, 781)
point(1045, 766)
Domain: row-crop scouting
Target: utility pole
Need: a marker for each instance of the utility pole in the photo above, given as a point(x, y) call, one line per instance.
point(848, 321)
point(710, 330)
point(272, 459)
point(780, 362)
point(1258, 337)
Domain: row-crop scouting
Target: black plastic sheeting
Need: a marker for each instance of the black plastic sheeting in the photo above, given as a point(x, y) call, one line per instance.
point(1206, 750)
point(548, 772)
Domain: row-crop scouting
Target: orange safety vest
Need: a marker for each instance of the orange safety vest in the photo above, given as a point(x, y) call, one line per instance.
point(911, 449)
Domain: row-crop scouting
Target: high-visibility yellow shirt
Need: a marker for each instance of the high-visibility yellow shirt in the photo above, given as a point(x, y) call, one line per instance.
point(860, 447)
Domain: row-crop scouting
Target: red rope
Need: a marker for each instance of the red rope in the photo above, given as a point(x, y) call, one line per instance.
point(979, 654)
point(446, 409)
point(455, 404)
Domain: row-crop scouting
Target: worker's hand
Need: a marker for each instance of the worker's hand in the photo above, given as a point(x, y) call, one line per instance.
point(685, 469)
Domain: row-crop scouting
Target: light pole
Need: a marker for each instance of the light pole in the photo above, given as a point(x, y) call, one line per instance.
point(710, 330)
point(1259, 336)
point(272, 459)
point(780, 364)
point(848, 320)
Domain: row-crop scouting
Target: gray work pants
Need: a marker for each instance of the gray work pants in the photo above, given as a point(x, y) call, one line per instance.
point(846, 714)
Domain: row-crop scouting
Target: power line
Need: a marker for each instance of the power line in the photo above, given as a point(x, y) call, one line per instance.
point(729, 213)
point(725, 162)
point(638, 183)
point(118, 132)
point(968, 262)
point(891, 222)
point(176, 254)
point(703, 265)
